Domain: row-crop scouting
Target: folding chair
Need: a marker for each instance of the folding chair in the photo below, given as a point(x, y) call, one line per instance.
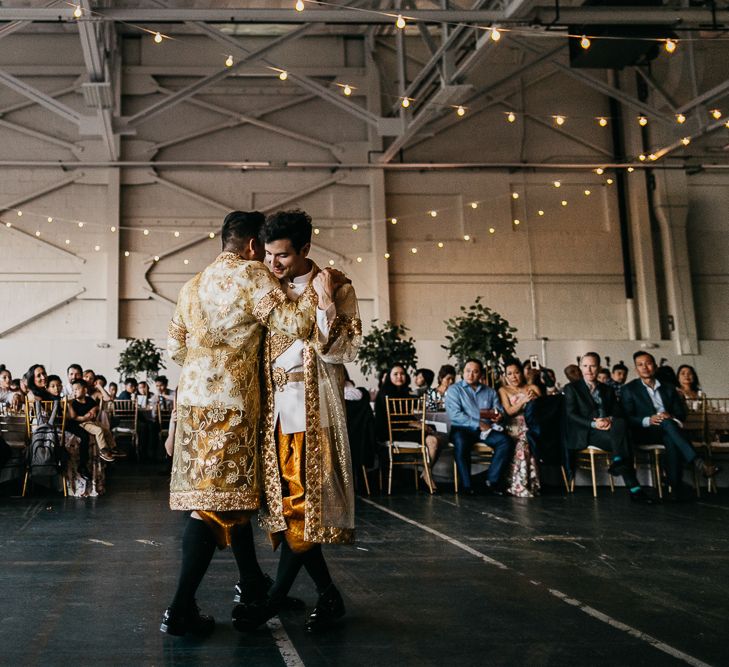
point(32, 420)
point(407, 414)
point(126, 417)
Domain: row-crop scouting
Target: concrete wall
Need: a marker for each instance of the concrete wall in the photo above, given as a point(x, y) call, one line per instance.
point(557, 277)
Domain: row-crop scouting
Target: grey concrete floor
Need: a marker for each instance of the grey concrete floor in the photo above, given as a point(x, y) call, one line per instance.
point(441, 580)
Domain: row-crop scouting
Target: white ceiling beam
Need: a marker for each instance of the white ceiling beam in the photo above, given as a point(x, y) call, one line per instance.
point(35, 194)
point(40, 97)
point(30, 132)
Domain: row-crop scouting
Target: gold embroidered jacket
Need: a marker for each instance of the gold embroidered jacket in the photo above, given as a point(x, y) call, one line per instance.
point(215, 335)
point(329, 499)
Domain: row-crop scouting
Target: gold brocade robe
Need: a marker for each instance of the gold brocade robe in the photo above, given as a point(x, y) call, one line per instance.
point(329, 489)
point(215, 335)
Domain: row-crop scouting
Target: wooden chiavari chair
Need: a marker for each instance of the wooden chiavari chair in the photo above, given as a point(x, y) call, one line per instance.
point(126, 421)
point(33, 419)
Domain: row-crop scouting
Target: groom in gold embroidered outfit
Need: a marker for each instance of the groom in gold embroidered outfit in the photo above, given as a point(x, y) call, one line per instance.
point(309, 497)
point(216, 335)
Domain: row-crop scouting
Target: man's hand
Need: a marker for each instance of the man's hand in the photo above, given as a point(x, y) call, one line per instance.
point(658, 419)
point(497, 418)
point(603, 423)
point(484, 426)
point(324, 286)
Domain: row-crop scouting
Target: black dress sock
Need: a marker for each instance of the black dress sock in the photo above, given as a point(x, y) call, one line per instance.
point(317, 568)
point(198, 547)
point(244, 550)
point(288, 567)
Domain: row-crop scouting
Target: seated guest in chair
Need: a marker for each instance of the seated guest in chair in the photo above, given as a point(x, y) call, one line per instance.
point(397, 385)
point(655, 412)
point(594, 418)
point(130, 390)
point(13, 399)
point(423, 379)
point(475, 412)
point(688, 383)
point(436, 395)
point(165, 396)
point(618, 376)
point(84, 410)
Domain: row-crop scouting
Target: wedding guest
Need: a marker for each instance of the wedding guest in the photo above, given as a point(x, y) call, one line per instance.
point(515, 396)
point(688, 383)
point(475, 412)
point(78, 450)
point(73, 372)
point(423, 379)
point(165, 396)
point(144, 395)
point(397, 385)
point(36, 381)
point(603, 375)
point(84, 410)
point(130, 390)
point(113, 390)
point(618, 376)
point(436, 395)
point(12, 398)
point(572, 372)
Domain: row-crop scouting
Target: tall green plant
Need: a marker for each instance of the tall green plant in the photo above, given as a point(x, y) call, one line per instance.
point(384, 346)
point(480, 333)
point(141, 355)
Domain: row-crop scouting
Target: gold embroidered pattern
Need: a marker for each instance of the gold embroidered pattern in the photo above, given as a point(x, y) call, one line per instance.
point(214, 500)
point(177, 332)
point(270, 301)
point(279, 344)
point(343, 325)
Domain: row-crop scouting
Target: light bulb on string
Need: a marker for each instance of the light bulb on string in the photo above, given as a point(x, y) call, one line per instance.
point(670, 45)
point(564, 202)
point(317, 231)
point(474, 204)
point(113, 229)
point(20, 214)
point(642, 121)
point(37, 232)
point(466, 237)
point(211, 235)
point(68, 241)
point(126, 253)
point(515, 195)
point(492, 230)
point(559, 119)
point(680, 118)
point(599, 171)
point(156, 258)
point(414, 251)
point(726, 124)
point(716, 113)
point(460, 110)
point(50, 219)
point(540, 212)
point(609, 181)
point(81, 224)
point(587, 193)
point(146, 232)
point(602, 121)
point(177, 235)
point(517, 222)
point(283, 75)
point(299, 6)
point(8, 224)
point(641, 157)
point(78, 12)
point(405, 102)
point(400, 22)
point(229, 61)
point(387, 255)
point(652, 157)
point(440, 244)
point(393, 221)
point(511, 116)
point(686, 141)
point(585, 42)
point(557, 184)
point(158, 38)
point(631, 170)
point(185, 261)
point(331, 262)
point(355, 227)
point(97, 248)
point(359, 260)
point(347, 90)
point(495, 34)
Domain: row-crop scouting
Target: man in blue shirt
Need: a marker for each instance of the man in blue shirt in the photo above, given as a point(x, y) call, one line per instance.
point(464, 402)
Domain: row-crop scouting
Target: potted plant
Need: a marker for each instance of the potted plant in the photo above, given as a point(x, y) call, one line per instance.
point(141, 355)
point(384, 346)
point(480, 333)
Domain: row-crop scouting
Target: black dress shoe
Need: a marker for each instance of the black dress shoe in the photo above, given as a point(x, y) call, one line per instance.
point(329, 608)
point(190, 623)
point(493, 490)
point(247, 596)
point(247, 617)
point(642, 498)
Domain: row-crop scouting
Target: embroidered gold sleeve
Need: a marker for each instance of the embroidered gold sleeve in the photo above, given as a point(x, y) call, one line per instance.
point(177, 341)
point(345, 333)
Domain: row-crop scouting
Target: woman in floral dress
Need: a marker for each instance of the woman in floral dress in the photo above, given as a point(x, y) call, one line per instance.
point(515, 395)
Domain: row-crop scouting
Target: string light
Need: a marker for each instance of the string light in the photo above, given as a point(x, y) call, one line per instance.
point(393, 221)
point(609, 181)
point(156, 258)
point(68, 241)
point(126, 252)
point(564, 202)
point(670, 45)
point(78, 12)
point(50, 219)
point(460, 111)
point(559, 120)
point(517, 221)
point(587, 193)
point(726, 124)
point(652, 157)
point(540, 212)
point(495, 34)
point(331, 262)
point(433, 214)
point(347, 90)
point(229, 61)
point(211, 235)
point(299, 6)
point(515, 195)
point(680, 118)
point(81, 224)
point(405, 102)
point(440, 244)
point(474, 204)
point(185, 261)
point(177, 235)
point(113, 229)
point(414, 251)
point(602, 121)
point(8, 224)
point(20, 214)
point(641, 157)
point(585, 42)
point(283, 75)
point(359, 259)
point(97, 248)
point(316, 231)
point(400, 22)
point(355, 227)
point(146, 232)
point(466, 237)
point(557, 184)
point(387, 255)
point(716, 113)
point(37, 233)
point(492, 230)
point(687, 140)
point(599, 171)
point(631, 170)
point(158, 38)
point(642, 121)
